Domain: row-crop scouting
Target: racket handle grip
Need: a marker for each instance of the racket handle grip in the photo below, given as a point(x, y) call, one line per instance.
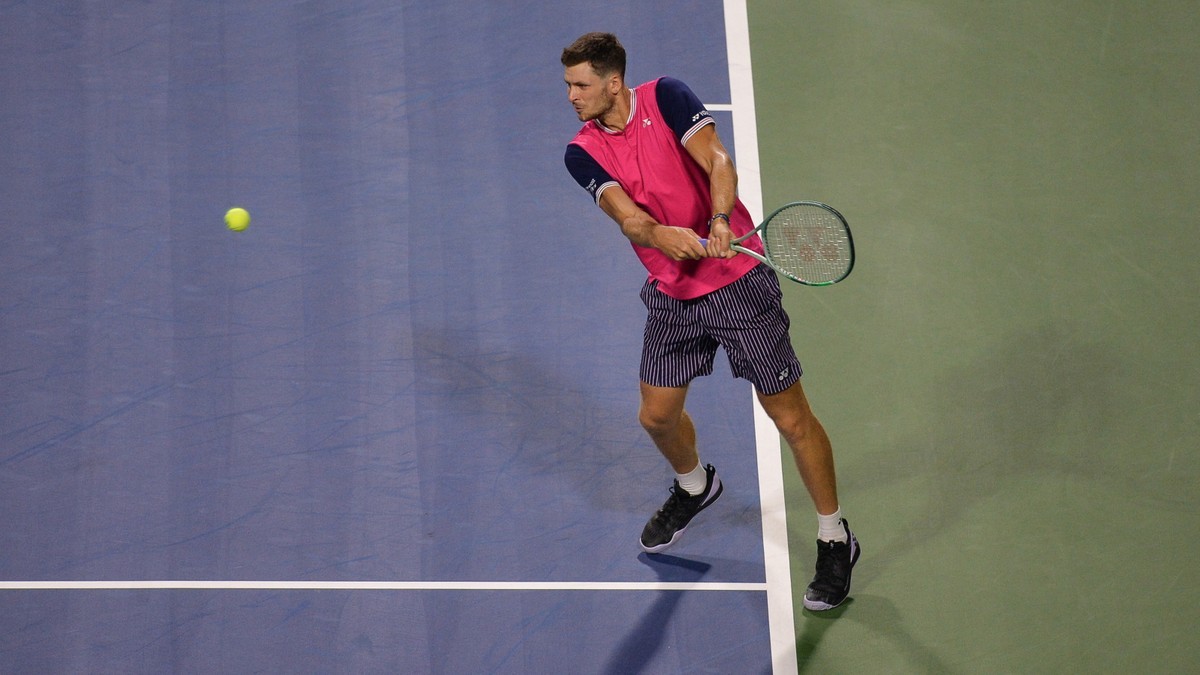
point(703, 241)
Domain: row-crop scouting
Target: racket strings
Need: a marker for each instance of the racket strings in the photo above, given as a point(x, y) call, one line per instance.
point(808, 243)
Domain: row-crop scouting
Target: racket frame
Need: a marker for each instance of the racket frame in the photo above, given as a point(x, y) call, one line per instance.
point(766, 259)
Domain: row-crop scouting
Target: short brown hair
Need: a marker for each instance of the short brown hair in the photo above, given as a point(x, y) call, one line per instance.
point(602, 50)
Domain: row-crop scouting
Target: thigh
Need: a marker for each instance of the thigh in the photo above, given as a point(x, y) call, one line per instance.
point(788, 407)
point(662, 403)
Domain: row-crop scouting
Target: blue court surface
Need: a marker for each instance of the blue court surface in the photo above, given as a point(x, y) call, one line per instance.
point(391, 427)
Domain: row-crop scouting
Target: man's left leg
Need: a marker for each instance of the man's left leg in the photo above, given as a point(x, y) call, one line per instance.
point(837, 547)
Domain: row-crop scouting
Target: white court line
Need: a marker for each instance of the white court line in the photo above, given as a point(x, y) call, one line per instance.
point(780, 614)
point(176, 584)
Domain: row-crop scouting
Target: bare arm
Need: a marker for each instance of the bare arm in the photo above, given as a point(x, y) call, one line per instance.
point(706, 148)
point(679, 243)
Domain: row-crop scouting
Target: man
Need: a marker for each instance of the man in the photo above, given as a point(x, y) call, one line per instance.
point(651, 158)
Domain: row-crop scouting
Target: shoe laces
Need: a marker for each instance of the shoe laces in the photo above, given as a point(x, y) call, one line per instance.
point(830, 570)
point(677, 504)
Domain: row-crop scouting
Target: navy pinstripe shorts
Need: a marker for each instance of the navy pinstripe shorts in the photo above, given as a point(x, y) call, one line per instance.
point(746, 318)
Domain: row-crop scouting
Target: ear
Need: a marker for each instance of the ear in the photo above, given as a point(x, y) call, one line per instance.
point(615, 83)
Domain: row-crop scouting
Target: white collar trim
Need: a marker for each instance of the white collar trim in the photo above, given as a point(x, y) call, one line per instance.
point(632, 111)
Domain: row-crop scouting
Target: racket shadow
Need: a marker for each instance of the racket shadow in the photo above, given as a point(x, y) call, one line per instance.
point(636, 651)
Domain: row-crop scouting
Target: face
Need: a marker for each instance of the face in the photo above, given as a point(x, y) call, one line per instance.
point(592, 96)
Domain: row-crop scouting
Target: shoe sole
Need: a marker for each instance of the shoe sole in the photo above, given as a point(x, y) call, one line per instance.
point(817, 606)
point(679, 533)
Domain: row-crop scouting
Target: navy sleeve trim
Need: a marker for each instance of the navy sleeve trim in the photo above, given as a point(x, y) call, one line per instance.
point(681, 108)
point(587, 171)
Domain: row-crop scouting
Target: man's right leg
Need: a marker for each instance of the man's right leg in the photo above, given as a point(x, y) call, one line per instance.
point(663, 417)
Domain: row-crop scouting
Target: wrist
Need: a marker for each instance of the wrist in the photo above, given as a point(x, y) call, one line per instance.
point(724, 216)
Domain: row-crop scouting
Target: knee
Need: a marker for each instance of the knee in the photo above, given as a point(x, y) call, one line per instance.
point(790, 412)
point(657, 422)
point(796, 423)
point(796, 427)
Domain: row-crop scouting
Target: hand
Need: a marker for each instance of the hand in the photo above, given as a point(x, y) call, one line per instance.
point(719, 237)
point(679, 243)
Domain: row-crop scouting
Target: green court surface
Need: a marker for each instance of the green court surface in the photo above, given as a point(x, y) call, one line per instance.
point(1010, 374)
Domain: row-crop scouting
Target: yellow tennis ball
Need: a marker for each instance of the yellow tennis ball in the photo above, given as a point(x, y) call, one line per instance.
point(237, 219)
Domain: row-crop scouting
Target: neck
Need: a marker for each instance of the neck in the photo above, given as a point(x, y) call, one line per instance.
point(618, 115)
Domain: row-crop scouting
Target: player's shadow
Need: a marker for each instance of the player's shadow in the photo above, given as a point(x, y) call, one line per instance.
point(636, 651)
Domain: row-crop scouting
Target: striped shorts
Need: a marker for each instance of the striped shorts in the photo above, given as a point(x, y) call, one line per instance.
point(745, 317)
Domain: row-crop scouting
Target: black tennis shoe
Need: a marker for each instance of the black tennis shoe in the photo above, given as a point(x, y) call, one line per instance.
point(668, 524)
point(835, 561)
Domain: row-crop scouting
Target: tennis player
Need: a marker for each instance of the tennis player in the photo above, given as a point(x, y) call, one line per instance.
point(651, 159)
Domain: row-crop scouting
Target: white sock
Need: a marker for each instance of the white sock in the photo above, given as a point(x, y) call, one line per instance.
point(693, 481)
point(830, 527)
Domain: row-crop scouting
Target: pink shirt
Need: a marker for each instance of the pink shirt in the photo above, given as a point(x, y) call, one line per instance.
point(648, 160)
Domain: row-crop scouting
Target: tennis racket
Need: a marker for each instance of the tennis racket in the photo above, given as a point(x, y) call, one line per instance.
point(807, 242)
